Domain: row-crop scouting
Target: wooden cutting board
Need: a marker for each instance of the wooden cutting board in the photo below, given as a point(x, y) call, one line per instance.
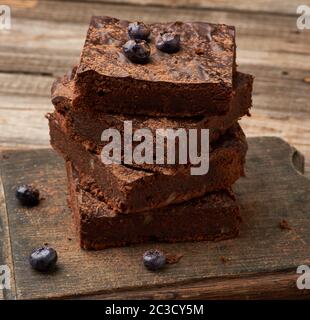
point(261, 263)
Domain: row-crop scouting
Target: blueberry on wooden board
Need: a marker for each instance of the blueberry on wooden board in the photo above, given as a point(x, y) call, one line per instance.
point(154, 259)
point(138, 30)
point(27, 195)
point(137, 51)
point(43, 259)
point(168, 42)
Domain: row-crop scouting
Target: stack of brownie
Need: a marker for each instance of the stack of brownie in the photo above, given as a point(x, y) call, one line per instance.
point(159, 76)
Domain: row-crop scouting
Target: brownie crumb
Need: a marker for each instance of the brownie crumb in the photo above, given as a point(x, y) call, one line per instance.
point(224, 259)
point(69, 239)
point(5, 157)
point(284, 225)
point(199, 51)
point(173, 258)
point(284, 73)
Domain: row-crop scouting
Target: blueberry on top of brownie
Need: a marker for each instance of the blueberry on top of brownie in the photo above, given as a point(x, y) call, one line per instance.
point(206, 55)
point(168, 42)
point(137, 51)
point(183, 69)
point(138, 30)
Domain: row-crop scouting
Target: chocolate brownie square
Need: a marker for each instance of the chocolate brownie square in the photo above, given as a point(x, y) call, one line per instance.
point(215, 216)
point(128, 189)
point(90, 125)
point(196, 80)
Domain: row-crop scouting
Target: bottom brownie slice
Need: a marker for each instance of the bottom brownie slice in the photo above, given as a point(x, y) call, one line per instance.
point(213, 217)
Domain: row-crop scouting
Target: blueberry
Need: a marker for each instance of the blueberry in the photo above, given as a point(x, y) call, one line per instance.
point(154, 259)
point(168, 42)
point(43, 259)
point(138, 30)
point(137, 51)
point(27, 195)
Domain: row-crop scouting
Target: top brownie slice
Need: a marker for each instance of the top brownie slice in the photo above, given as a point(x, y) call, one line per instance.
point(196, 80)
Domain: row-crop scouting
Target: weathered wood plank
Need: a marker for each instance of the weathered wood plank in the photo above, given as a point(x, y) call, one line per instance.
point(263, 286)
point(283, 7)
point(295, 130)
point(22, 121)
point(80, 12)
point(24, 85)
point(272, 190)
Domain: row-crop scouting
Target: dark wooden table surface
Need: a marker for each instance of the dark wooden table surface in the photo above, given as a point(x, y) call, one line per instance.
point(260, 263)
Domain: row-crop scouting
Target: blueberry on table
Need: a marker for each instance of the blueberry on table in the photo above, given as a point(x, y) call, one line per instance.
point(43, 259)
point(138, 30)
point(168, 42)
point(154, 260)
point(27, 195)
point(137, 51)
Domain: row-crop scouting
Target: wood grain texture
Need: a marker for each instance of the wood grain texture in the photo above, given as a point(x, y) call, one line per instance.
point(273, 190)
point(276, 7)
point(263, 286)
